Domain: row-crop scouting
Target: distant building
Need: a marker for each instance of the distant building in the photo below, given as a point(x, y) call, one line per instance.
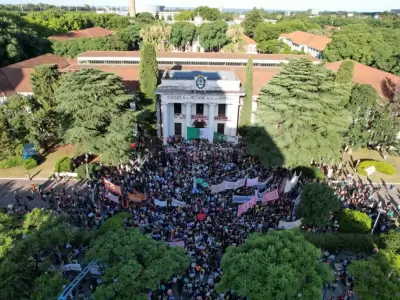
point(84, 33)
point(287, 13)
point(377, 17)
point(251, 45)
point(307, 42)
point(155, 8)
point(314, 13)
point(350, 15)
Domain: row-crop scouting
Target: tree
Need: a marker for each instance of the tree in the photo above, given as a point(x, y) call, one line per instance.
point(273, 47)
point(48, 286)
point(7, 141)
point(148, 76)
point(235, 33)
point(354, 221)
point(300, 111)
point(377, 277)
point(135, 261)
point(18, 41)
point(384, 129)
point(362, 106)
point(207, 13)
point(392, 241)
point(156, 34)
point(276, 265)
point(130, 35)
point(266, 32)
point(186, 15)
point(251, 22)
point(346, 72)
point(213, 35)
point(144, 18)
point(318, 200)
point(71, 48)
point(247, 108)
point(91, 99)
point(44, 82)
point(182, 33)
point(239, 47)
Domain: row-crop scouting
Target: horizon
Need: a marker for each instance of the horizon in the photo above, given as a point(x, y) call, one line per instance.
point(285, 5)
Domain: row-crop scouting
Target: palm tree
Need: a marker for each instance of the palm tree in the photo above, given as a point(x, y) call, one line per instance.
point(156, 34)
point(235, 33)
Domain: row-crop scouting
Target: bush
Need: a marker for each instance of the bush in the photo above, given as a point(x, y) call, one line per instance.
point(30, 163)
point(345, 72)
point(380, 166)
point(349, 241)
point(354, 221)
point(63, 164)
point(310, 172)
point(19, 150)
point(114, 223)
point(14, 161)
point(92, 168)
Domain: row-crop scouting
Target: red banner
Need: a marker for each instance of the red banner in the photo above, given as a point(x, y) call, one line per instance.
point(112, 187)
point(242, 208)
point(136, 197)
point(270, 196)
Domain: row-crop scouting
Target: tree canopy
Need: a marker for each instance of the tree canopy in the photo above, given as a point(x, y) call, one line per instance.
point(186, 15)
point(213, 35)
point(207, 13)
point(182, 33)
point(300, 111)
point(318, 200)
point(136, 262)
point(354, 221)
point(92, 100)
point(130, 35)
point(250, 23)
point(377, 277)
point(276, 265)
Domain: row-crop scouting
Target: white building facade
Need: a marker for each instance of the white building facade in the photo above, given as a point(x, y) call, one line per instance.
point(209, 101)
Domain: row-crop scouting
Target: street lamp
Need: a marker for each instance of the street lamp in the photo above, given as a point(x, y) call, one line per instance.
point(381, 211)
point(87, 168)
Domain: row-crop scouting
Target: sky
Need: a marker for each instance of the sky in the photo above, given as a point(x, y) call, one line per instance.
point(333, 5)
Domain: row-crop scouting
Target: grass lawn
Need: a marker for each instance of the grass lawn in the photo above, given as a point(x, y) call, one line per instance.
point(374, 155)
point(44, 170)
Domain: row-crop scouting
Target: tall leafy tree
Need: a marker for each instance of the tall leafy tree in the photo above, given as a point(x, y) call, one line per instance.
point(157, 34)
point(354, 221)
point(130, 35)
point(136, 262)
point(92, 99)
point(377, 277)
point(213, 35)
point(250, 23)
point(318, 200)
point(276, 265)
point(247, 108)
point(44, 82)
point(207, 13)
point(300, 112)
point(182, 33)
point(48, 286)
point(186, 15)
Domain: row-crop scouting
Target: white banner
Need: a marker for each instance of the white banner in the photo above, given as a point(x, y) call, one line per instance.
point(289, 225)
point(241, 199)
point(234, 185)
point(252, 181)
point(66, 174)
point(291, 183)
point(160, 203)
point(178, 203)
point(173, 203)
point(112, 197)
point(203, 133)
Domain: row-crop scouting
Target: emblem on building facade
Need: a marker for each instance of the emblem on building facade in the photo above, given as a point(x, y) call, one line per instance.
point(200, 82)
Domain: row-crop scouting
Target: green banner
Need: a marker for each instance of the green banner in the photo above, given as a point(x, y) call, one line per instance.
point(192, 133)
point(219, 137)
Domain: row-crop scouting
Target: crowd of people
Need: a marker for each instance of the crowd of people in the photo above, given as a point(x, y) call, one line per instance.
point(208, 223)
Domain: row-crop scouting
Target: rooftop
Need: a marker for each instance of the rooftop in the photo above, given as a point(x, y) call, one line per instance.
point(317, 42)
point(84, 33)
point(210, 75)
point(248, 41)
point(196, 55)
point(363, 74)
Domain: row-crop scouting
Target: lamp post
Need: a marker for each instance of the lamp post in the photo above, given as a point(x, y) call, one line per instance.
point(381, 211)
point(87, 168)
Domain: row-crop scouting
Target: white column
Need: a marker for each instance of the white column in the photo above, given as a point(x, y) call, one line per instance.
point(188, 107)
point(211, 113)
point(164, 111)
point(158, 118)
point(235, 117)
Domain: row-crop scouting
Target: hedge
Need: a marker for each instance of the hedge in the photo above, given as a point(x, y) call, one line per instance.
point(91, 168)
point(14, 161)
point(380, 166)
point(310, 172)
point(63, 164)
point(30, 163)
point(349, 241)
point(354, 221)
point(113, 223)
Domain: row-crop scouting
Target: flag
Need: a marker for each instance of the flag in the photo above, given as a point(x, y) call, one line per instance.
point(112, 187)
point(136, 197)
point(273, 195)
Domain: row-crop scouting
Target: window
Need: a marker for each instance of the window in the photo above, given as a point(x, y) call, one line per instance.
point(222, 110)
point(199, 109)
point(177, 109)
point(178, 128)
point(221, 128)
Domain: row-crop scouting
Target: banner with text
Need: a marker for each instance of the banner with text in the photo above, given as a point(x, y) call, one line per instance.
point(242, 208)
point(112, 187)
point(289, 225)
point(252, 181)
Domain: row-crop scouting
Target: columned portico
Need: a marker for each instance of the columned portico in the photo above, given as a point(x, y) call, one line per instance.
point(197, 104)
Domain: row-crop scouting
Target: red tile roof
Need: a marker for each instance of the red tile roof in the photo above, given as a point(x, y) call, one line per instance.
point(205, 55)
point(48, 58)
point(84, 33)
point(367, 75)
point(248, 41)
point(314, 41)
